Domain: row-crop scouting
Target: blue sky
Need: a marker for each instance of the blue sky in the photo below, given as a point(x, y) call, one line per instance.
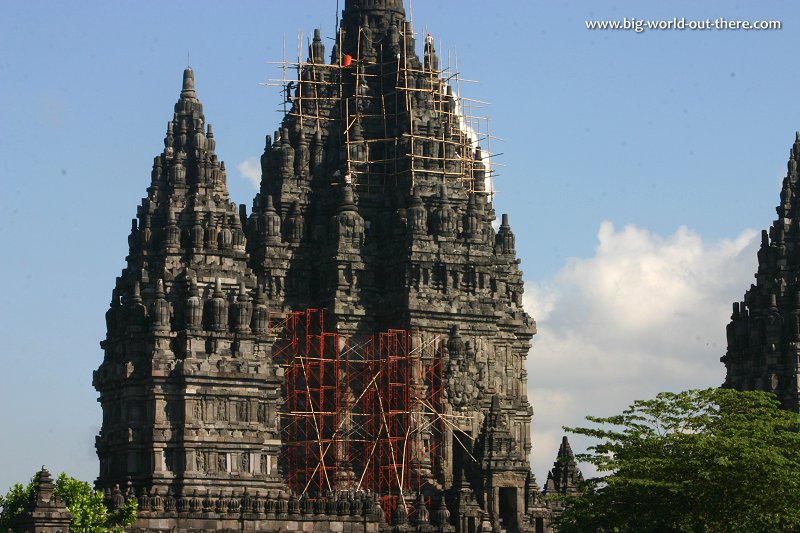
point(637, 167)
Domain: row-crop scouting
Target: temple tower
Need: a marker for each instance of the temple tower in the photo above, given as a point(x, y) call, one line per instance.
point(375, 209)
point(380, 191)
point(764, 332)
point(187, 386)
point(565, 477)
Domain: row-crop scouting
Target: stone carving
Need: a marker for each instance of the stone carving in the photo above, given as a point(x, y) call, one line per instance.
point(156, 501)
point(200, 461)
point(243, 411)
point(233, 503)
point(222, 462)
point(463, 373)
point(222, 409)
point(258, 504)
point(385, 223)
point(765, 328)
point(196, 503)
point(220, 503)
point(208, 502)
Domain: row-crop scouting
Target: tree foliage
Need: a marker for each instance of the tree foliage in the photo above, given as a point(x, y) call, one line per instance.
point(16, 503)
point(714, 460)
point(89, 512)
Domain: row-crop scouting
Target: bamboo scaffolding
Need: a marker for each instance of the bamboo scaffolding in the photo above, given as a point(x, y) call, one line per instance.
point(444, 151)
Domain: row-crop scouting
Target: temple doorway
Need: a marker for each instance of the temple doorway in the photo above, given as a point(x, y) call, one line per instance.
point(508, 507)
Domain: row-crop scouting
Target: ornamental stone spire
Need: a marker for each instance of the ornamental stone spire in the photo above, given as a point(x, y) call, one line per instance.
point(565, 477)
point(187, 92)
point(48, 513)
point(182, 362)
point(374, 208)
point(763, 335)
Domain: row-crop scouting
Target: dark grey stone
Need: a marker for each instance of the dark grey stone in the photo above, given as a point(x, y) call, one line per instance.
point(373, 208)
point(764, 332)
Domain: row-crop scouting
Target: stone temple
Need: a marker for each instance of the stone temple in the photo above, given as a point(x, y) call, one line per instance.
point(350, 355)
point(764, 332)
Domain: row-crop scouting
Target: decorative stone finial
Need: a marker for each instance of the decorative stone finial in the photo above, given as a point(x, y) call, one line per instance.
point(565, 477)
point(316, 51)
point(505, 241)
point(295, 224)
point(271, 222)
point(417, 215)
point(443, 219)
point(348, 203)
point(188, 84)
point(455, 344)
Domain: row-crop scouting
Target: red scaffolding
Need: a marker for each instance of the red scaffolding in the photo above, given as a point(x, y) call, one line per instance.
point(310, 357)
point(360, 412)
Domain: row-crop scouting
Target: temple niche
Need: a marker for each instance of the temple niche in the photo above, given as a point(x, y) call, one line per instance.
point(352, 351)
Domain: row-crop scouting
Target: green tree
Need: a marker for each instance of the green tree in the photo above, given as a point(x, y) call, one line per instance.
point(715, 460)
point(89, 512)
point(16, 503)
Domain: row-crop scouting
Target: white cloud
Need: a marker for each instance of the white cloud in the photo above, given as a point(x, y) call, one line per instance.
point(250, 169)
point(643, 315)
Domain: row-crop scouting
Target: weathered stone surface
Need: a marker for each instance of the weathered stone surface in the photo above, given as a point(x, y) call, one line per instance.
point(764, 333)
point(373, 207)
point(565, 477)
point(49, 514)
point(188, 391)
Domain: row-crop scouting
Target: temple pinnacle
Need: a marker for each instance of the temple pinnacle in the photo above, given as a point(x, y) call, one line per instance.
point(188, 84)
point(375, 5)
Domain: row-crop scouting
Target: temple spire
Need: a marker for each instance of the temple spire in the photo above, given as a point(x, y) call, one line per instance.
point(187, 92)
point(763, 323)
point(360, 214)
point(188, 107)
point(377, 6)
point(373, 20)
point(565, 477)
